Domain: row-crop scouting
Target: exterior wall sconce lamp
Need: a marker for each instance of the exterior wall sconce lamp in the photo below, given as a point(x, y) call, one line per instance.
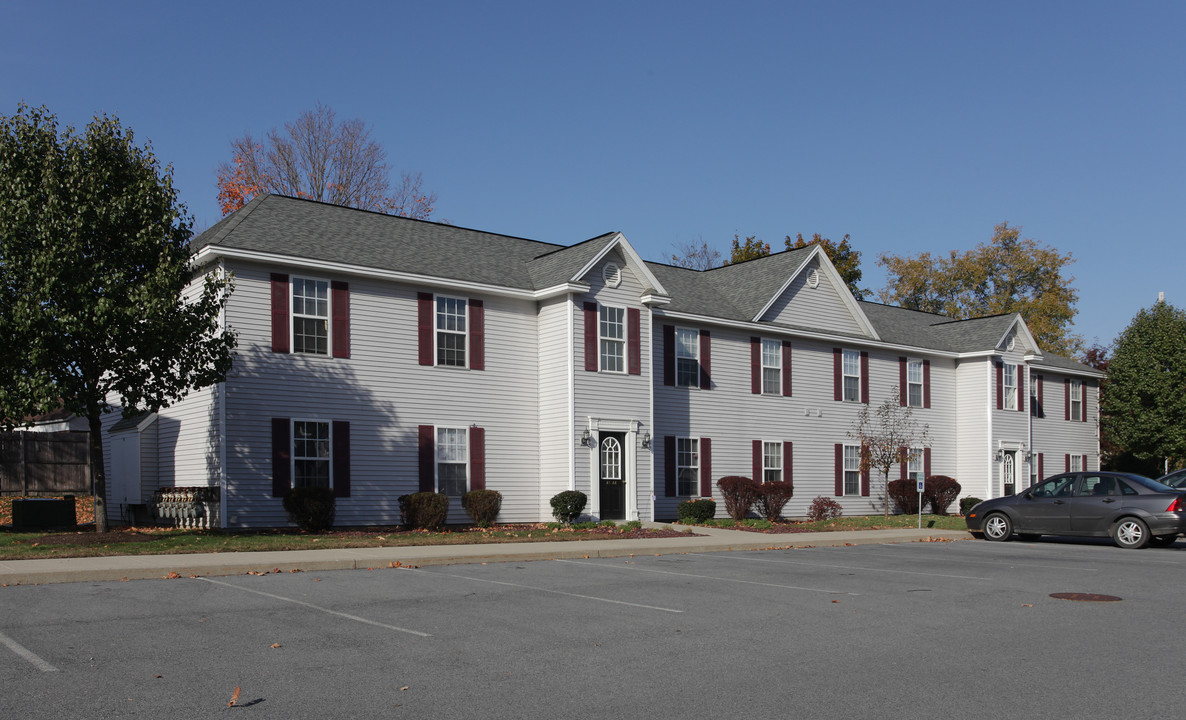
point(585, 439)
point(646, 441)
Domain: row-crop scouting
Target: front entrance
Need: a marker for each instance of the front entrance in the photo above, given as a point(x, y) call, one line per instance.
point(1009, 472)
point(612, 484)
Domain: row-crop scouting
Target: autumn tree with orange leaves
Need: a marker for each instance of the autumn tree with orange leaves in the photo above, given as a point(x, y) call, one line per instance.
point(318, 158)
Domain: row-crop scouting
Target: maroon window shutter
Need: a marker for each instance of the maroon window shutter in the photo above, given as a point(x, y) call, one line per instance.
point(755, 365)
point(926, 383)
point(281, 457)
point(477, 335)
point(669, 465)
point(786, 368)
point(669, 355)
point(839, 469)
point(705, 467)
point(926, 463)
point(1000, 385)
point(341, 458)
point(837, 376)
point(903, 386)
point(340, 307)
point(1084, 465)
point(1020, 389)
point(591, 336)
point(865, 471)
point(428, 459)
point(634, 340)
point(424, 327)
point(705, 361)
point(1066, 463)
point(1066, 399)
point(788, 462)
point(1041, 469)
point(903, 465)
point(1040, 410)
point(477, 458)
point(757, 461)
point(864, 377)
point(280, 329)
point(1083, 405)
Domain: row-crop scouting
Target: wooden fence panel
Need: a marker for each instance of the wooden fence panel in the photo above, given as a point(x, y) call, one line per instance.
point(34, 463)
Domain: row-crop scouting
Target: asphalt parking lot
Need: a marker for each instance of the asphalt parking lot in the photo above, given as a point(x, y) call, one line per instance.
point(941, 629)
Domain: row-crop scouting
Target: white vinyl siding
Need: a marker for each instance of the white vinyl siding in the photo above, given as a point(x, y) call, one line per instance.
point(819, 307)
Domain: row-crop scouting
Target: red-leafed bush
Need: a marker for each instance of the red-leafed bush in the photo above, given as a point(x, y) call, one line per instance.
point(904, 493)
point(773, 497)
point(824, 508)
point(740, 494)
point(941, 491)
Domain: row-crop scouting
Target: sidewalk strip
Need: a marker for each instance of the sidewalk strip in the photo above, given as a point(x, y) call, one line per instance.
point(843, 567)
point(317, 607)
point(556, 592)
point(28, 655)
point(705, 577)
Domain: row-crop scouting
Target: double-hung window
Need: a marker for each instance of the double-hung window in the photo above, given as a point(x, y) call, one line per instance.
point(452, 459)
point(451, 331)
point(687, 463)
point(1076, 389)
point(1010, 376)
point(914, 382)
point(1077, 463)
point(852, 375)
point(771, 367)
point(771, 462)
point(612, 334)
point(310, 316)
point(914, 464)
point(687, 358)
point(852, 469)
point(311, 454)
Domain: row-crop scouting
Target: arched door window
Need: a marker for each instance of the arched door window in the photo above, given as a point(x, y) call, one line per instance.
point(611, 459)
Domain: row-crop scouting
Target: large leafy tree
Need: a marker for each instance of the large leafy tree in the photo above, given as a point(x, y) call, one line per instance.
point(846, 260)
point(1008, 274)
point(94, 263)
point(1144, 401)
point(748, 249)
point(319, 158)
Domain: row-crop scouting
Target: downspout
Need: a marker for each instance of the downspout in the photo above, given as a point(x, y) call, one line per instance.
point(221, 434)
point(651, 403)
point(572, 408)
point(988, 407)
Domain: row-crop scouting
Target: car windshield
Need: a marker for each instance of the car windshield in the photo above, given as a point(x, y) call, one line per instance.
point(1147, 483)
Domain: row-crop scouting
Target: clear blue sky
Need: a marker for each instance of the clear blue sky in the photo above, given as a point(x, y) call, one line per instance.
point(912, 126)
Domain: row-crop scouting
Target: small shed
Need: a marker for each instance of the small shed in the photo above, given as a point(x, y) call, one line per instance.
point(134, 469)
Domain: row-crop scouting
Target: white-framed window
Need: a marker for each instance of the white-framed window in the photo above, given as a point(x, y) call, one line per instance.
point(852, 469)
point(612, 333)
point(914, 378)
point(451, 326)
point(311, 455)
point(1077, 463)
point(611, 459)
point(914, 464)
point(852, 375)
point(1010, 381)
point(452, 450)
point(1076, 399)
point(771, 462)
point(771, 367)
point(310, 316)
point(687, 357)
point(687, 466)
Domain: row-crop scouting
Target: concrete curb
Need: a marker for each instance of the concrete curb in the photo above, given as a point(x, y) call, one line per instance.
point(145, 567)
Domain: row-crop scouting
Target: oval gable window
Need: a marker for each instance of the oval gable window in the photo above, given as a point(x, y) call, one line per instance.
point(612, 274)
point(813, 278)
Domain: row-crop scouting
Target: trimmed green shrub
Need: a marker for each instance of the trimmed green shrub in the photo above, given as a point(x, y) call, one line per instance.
point(694, 512)
point(740, 494)
point(608, 523)
point(773, 497)
point(568, 505)
point(632, 525)
point(757, 523)
point(424, 510)
point(904, 493)
point(824, 508)
point(312, 509)
point(968, 503)
point(941, 491)
point(482, 506)
point(586, 525)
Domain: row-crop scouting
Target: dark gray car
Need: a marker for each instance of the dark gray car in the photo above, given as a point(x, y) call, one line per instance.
point(1131, 509)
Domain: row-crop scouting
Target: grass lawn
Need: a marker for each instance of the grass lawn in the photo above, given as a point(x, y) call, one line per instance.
point(167, 541)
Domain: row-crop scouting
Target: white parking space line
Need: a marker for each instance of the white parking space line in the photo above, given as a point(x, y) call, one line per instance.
point(318, 607)
point(554, 592)
point(841, 567)
point(998, 563)
point(635, 568)
point(26, 654)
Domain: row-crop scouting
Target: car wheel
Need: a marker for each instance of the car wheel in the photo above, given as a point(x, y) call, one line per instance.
point(1162, 540)
point(997, 527)
point(1131, 533)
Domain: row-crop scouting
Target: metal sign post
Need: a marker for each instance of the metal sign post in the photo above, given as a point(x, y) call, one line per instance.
point(920, 484)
